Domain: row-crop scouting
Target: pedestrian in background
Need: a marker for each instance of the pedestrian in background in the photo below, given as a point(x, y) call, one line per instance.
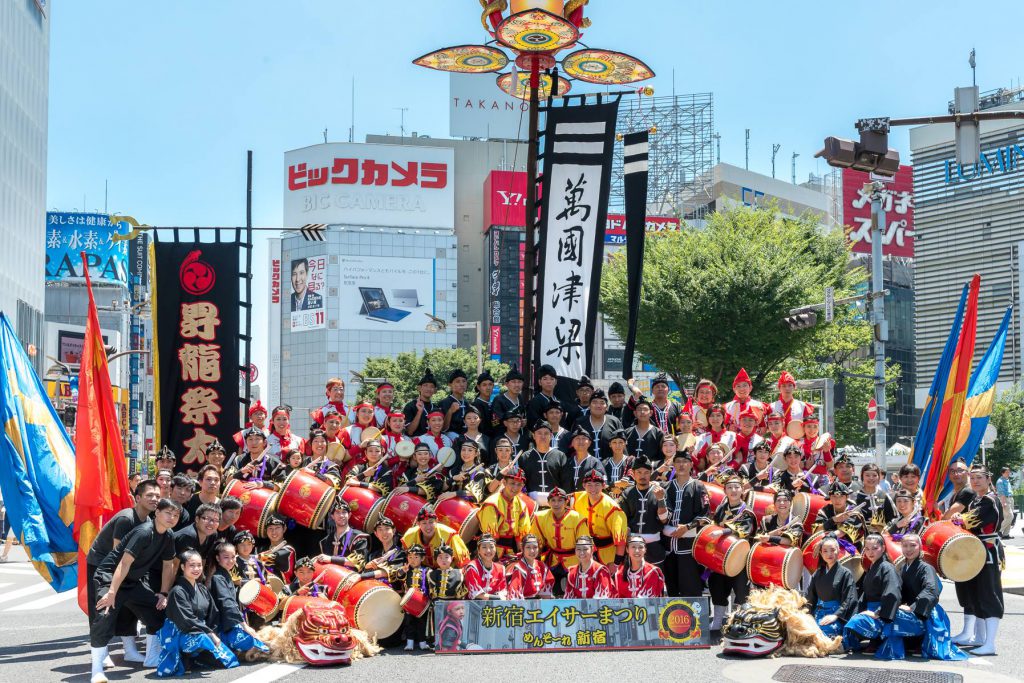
point(1004, 490)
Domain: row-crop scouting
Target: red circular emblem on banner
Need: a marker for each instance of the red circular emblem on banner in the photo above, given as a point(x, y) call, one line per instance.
point(196, 277)
point(678, 621)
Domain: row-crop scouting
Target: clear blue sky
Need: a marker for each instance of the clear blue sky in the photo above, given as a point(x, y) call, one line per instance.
point(163, 99)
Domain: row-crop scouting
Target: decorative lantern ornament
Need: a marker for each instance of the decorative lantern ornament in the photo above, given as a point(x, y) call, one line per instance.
point(466, 59)
point(536, 31)
point(605, 66)
point(522, 87)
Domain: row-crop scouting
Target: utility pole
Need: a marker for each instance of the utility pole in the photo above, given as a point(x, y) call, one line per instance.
point(795, 155)
point(775, 150)
point(718, 148)
point(881, 326)
point(747, 162)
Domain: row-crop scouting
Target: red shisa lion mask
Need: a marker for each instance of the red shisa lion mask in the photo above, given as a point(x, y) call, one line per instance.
point(323, 637)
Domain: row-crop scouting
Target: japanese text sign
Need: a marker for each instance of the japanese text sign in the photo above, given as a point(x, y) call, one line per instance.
point(898, 204)
point(480, 626)
point(196, 335)
point(70, 234)
point(397, 186)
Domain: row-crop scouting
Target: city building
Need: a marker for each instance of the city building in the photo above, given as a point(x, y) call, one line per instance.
point(24, 96)
point(969, 221)
point(726, 186)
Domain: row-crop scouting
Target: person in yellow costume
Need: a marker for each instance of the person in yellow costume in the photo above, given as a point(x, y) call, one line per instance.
point(432, 535)
point(605, 519)
point(557, 528)
point(504, 514)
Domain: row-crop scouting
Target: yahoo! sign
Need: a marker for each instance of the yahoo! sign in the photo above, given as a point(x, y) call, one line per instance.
point(1000, 160)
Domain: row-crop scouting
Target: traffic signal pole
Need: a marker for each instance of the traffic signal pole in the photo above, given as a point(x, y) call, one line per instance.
point(881, 327)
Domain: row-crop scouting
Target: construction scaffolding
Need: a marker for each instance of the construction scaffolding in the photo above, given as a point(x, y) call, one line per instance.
point(681, 150)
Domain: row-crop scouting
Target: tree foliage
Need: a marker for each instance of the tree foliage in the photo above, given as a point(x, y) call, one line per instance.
point(406, 369)
point(1008, 419)
point(713, 301)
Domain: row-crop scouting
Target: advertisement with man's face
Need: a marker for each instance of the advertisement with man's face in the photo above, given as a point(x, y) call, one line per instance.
point(386, 293)
point(308, 280)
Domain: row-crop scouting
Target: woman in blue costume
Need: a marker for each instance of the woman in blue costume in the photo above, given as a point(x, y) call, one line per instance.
point(232, 628)
point(192, 622)
point(832, 593)
point(920, 598)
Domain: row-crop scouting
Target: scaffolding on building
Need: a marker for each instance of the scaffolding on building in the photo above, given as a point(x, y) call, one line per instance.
point(680, 155)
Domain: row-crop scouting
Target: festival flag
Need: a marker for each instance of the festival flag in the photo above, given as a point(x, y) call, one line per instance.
point(101, 482)
point(634, 181)
point(37, 466)
point(980, 398)
point(954, 396)
point(921, 451)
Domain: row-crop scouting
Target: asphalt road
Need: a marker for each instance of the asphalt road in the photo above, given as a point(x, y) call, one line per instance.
point(44, 638)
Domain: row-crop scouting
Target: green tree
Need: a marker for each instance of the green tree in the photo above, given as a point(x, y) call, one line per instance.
point(1008, 419)
point(406, 369)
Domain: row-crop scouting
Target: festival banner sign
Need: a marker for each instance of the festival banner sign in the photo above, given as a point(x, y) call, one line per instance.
point(578, 146)
point(481, 626)
point(195, 297)
point(635, 186)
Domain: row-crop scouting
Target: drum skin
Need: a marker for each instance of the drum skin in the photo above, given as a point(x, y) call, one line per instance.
point(374, 607)
point(956, 554)
point(721, 553)
point(259, 598)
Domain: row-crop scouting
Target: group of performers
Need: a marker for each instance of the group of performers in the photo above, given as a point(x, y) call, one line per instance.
point(604, 498)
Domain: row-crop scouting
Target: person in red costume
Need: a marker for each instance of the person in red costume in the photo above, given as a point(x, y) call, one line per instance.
point(394, 433)
point(382, 408)
point(484, 576)
point(746, 438)
point(257, 420)
point(776, 430)
point(528, 578)
point(704, 398)
point(793, 411)
point(281, 437)
point(589, 578)
point(741, 386)
point(714, 433)
point(335, 391)
point(352, 436)
point(638, 578)
point(817, 451)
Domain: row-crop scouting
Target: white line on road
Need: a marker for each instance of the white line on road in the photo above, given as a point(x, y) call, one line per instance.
point(24, 570)
point(44, 602)
point(22, 592)
point(270, 673)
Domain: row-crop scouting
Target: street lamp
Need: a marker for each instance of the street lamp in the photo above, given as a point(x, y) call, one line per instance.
point(535, 31)
point(439, 325)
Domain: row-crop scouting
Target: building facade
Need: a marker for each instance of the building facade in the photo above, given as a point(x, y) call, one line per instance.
point(968, 220)
point(24, 96)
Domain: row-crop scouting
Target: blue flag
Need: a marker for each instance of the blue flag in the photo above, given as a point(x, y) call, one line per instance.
point(37, 467)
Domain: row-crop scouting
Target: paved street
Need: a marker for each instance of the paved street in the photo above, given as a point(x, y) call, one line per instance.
point(44, 639)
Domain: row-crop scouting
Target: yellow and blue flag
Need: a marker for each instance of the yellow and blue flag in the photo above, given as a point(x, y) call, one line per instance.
point(37, 467)
point(980, 398)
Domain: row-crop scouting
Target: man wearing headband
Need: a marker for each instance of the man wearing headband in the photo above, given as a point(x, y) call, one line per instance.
point(961, 495)
point(733, 515)
point(557, 529)
point(637, 578)
point(528, 578)
point(547, 379)
point(580, 462)
point(842, 517)
point(504, 516)
point(791, 409)
point(617, 405)
point(512, 429)
point(431, 534)
point(342, 545)
point(588, 578)
point(485, 577)
point(686, 499)
point(416, 410)
point(257, 465)
point(605, 519)
point(382, 408)
point(646, 512)
point(600, 424)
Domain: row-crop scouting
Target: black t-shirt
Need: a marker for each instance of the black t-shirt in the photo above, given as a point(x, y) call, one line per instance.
point(117, 527)
point(184, 520)
point(188, 539)
point(192, 504)
point(144, 544)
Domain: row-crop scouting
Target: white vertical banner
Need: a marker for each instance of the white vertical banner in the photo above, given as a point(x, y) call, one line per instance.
point(578, 149)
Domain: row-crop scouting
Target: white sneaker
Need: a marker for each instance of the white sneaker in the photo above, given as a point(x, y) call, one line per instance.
point(424, 645)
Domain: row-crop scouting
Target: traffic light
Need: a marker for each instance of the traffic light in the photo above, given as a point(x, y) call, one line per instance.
point(871, 154)
point(801, 321)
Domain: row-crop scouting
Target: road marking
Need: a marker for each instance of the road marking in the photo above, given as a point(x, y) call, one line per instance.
point(22, 592)
point(270, 673)
point(44, 602)
point(25, 571)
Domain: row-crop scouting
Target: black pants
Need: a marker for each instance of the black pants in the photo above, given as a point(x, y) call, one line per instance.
point(134, 596)
point(985, 591)
point(721, 585)
point(962, 596)
point(414, 628)
point(682, 574)
point(559, 572)
point(126, 619)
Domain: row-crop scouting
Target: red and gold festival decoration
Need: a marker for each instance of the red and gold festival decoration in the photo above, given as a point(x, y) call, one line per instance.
point(196, 323)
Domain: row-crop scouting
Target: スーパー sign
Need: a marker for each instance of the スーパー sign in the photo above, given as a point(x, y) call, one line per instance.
point(481, 626)
point(397, 186)
point(897, 203)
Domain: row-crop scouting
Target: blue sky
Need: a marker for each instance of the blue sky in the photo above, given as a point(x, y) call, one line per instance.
point(163, 99)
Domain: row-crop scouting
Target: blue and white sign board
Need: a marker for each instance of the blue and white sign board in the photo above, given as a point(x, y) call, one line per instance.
point(70, 234)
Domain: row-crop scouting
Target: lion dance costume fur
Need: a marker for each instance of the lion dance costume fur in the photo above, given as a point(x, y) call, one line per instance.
point(318, 634)
point(773, 621)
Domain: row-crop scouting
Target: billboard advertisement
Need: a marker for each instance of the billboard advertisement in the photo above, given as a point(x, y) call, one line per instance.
point(506, 249)
point(898, 204)
point(69, 234)
point(478, 109)
point(386, 294)
point(395, 186)
point(306, 305)
point(505, 199)
point(615, 226)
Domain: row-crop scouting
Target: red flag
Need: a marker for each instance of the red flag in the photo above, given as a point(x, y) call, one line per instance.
point(952, 403)
point(101, 477)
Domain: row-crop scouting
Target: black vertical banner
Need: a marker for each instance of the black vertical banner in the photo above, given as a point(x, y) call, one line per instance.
point(634, 166)
point(196, 319)
point(578, 146)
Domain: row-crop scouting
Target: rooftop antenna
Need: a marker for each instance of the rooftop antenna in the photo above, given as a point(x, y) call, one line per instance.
point(325, 136)
point(402, 128)
point(973, 63)
point(718, 147)
point(775, 150)
point(352, 128)
point(747, 162)
point(795, 155)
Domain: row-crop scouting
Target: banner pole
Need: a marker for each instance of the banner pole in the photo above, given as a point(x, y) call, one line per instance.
point(530, 260)
point(248, 282)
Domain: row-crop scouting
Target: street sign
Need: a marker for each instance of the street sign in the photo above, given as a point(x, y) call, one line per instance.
point(872, 409)
point(872, 424)
point(830, 303)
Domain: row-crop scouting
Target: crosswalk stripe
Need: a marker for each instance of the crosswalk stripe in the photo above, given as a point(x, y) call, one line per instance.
point(48, 601)
point(270, 673)
point(24, 570)
point(22, 592)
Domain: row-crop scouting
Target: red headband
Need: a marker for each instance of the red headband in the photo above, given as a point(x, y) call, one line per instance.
point(281, 411)
point(257, 407)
